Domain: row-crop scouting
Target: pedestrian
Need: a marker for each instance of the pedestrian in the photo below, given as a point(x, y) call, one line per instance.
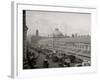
point(45, 63)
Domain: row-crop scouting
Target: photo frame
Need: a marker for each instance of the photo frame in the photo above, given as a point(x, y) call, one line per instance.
point(19, 34)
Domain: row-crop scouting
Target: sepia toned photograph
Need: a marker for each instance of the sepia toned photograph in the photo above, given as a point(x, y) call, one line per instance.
point(54, 39)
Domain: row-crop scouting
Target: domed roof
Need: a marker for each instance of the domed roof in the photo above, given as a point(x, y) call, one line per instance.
point(57, 33)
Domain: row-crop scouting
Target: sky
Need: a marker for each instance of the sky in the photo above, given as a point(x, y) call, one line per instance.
point(46, 22)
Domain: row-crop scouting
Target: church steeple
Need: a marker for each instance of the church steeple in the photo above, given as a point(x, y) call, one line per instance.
point(37, 32)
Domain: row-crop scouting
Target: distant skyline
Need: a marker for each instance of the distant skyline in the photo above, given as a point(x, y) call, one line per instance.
point(67, 23)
